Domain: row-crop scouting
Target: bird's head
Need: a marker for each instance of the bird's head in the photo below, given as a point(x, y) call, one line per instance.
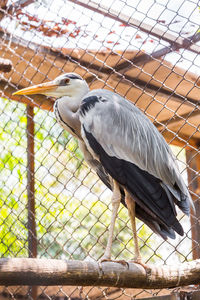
point(69, 84)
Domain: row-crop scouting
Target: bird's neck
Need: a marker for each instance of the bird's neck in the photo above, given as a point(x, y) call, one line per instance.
point(73, 100)
point(65, 109)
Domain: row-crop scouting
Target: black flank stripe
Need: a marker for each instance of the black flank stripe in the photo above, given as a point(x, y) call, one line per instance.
point(59, 115)
point(144, 187)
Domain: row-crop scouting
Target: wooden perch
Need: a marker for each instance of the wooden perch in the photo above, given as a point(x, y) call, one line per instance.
point(32, 271)
point(5, 65)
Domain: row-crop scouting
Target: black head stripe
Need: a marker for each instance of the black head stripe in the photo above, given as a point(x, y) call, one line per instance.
point(74, 76)
point(65, 79)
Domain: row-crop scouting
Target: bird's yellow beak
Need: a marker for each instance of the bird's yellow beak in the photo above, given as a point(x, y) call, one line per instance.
point(37, 89)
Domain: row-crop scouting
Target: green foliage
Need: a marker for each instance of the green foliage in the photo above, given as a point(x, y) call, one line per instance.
point(72, 214)
point(13, 198)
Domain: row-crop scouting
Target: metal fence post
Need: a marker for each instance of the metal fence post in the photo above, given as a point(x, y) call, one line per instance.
point(32, 237)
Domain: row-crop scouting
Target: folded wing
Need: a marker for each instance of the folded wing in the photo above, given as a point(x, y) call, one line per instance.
point(133, 152)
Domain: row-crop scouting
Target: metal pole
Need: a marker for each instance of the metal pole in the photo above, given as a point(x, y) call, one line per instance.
point(32, 238)
point(193, 161)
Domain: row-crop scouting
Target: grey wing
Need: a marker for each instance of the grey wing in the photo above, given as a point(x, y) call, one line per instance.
point(125, 133)
point(95, 165)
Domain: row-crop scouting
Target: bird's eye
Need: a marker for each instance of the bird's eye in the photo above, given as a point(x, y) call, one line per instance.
point(65, 81)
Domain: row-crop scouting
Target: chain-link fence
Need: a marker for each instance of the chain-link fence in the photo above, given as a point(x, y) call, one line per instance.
point(52, 204)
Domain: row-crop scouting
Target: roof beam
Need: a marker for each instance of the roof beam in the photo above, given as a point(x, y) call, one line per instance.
point(137, 83)
point(156, 90)
point(177, 119)
point(19, 4)
point(42, 102)
point(107, 11)
point(145, 58)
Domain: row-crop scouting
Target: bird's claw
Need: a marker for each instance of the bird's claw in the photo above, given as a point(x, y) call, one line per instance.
point(139, 262)
point(105, 259)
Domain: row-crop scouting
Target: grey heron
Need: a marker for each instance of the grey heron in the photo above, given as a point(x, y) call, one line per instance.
point(126, 151)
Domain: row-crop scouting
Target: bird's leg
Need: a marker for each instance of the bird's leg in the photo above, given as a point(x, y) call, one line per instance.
point(131, 211)
point(116, 198)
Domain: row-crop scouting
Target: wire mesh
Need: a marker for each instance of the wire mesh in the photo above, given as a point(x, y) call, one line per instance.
point(146, 51)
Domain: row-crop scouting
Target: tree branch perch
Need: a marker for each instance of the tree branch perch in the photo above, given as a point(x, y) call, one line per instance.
point(32, 271)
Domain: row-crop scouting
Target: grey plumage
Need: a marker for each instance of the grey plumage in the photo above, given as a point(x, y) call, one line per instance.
point(125, 150)
point(126, 133)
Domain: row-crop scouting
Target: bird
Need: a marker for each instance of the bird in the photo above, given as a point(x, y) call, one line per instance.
point(127, 152)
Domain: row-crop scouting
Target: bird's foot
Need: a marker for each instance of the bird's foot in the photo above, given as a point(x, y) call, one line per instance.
point(108, 259)
point(138, 260)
